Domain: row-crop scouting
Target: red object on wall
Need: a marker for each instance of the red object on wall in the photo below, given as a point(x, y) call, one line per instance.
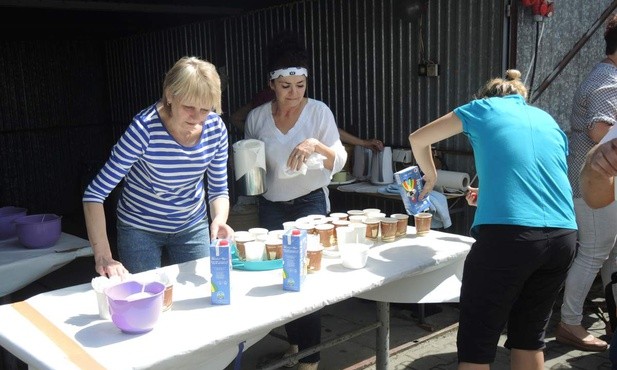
point(529, 2)
point(543, 8)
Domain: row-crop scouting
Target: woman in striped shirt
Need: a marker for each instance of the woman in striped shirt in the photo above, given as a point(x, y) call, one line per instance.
point(163, 156)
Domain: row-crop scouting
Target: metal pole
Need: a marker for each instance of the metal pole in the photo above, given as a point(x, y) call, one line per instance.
point(383, 336)
point(575, 49)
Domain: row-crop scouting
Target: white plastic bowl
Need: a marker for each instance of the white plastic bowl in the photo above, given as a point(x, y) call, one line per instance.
point(354, 255)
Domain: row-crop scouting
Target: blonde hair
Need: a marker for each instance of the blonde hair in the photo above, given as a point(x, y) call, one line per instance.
point(509, 85)
point(195, 82)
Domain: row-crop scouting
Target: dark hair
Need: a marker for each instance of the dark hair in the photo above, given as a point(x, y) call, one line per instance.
point(285, 50)
point(610, 35)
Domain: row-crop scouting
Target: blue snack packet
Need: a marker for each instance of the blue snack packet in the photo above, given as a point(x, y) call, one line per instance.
point(410, 185)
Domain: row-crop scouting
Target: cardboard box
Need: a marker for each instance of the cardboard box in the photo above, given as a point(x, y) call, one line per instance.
point(220, 271)
point(410, 185)
point(294, 259)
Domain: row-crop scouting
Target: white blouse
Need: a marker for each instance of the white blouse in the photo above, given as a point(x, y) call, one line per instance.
point(316, 121)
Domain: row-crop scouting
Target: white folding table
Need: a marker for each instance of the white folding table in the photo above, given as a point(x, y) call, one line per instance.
point(20, 266)
point(196, 334)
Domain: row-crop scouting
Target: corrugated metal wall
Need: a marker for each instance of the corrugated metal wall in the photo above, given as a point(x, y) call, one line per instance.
point(137, 66)
point(53, 112)
point(365, 66)
point(365, 59)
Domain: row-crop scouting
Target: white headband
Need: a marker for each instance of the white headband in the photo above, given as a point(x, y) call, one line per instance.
point(291, 71)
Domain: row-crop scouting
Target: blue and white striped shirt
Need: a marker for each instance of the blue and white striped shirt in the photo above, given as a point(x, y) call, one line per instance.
point(164, 187)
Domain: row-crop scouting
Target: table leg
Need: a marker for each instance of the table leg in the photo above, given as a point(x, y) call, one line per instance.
point(421, 313)
point(383, 336)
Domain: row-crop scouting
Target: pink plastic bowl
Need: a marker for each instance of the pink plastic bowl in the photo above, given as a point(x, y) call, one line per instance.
point(139, 315)
point(38, 231)
point(7, 216)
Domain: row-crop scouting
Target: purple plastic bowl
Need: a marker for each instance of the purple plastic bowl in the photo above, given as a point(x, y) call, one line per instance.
point(138, 315)
point(7, 216)
point(38, 231)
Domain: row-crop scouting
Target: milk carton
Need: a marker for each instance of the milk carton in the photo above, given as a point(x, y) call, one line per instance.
point(294, 259)
point(220, 271)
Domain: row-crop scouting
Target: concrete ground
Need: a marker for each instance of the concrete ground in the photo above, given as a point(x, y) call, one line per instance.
point(415, 344)
point(427, 345)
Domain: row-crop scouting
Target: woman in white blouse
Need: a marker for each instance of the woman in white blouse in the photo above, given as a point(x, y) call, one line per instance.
point(303, 150)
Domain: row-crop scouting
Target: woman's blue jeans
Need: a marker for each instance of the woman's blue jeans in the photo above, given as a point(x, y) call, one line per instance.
point(141, 250)
point(273, 214)
point(304, 332)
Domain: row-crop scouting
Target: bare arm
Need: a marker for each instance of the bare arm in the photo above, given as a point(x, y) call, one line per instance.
point(238, 118)
point(347, 138)
point(308, 147)
point(219, 212)
point(421, 141)
point(597, 175)
point(105, 265)
point(598, 130)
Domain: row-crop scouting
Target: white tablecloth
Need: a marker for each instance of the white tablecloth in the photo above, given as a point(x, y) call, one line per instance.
point(20, 266)
point(196, 334)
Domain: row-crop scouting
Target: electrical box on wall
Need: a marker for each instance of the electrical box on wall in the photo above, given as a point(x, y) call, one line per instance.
point(428, 69)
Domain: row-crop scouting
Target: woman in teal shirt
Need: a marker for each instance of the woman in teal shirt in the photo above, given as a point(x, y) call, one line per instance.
point(524, 225)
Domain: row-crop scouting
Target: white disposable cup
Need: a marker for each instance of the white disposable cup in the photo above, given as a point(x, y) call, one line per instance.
point(276, 233)
point(354, 255)
point(339, 215)
point(356, 212)
point(101, 298)
point(256, 231)
point(375, 215)
point(289, 225)
point(312, 241)
point(254, 251)
point(99, 284)
point(357, 218)
point(345, 234)
point(359, 231)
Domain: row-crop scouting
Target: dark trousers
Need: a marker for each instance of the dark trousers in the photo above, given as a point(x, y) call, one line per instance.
point(304, 332)
point(512, 275)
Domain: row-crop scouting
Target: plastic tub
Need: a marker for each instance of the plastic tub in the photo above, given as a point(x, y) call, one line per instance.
point(39, 230)
point(7, 216)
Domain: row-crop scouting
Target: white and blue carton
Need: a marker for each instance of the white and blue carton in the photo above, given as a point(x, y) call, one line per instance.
point(220, 271)
point(294, 259)
point(410, 185)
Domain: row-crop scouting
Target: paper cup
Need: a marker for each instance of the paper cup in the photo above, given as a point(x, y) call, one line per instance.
point(423, 223)
point(401, 226)
point(99, 284)
point(388, 229)
point(254, 250)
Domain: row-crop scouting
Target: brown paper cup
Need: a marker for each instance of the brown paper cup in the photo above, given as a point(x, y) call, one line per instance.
point(314, 260)
point(326, 235)
point(372, 228)
point(423, 223)
point(401, 226)
point(388, 229)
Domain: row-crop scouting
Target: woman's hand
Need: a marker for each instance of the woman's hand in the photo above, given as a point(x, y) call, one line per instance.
point(427, 187)
point(472, 196)
point(107, 266)
point(301, 153)
point(373, 144)
point(220, 230)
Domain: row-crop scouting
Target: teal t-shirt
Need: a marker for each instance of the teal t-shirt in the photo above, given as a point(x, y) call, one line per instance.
point(520, 155)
